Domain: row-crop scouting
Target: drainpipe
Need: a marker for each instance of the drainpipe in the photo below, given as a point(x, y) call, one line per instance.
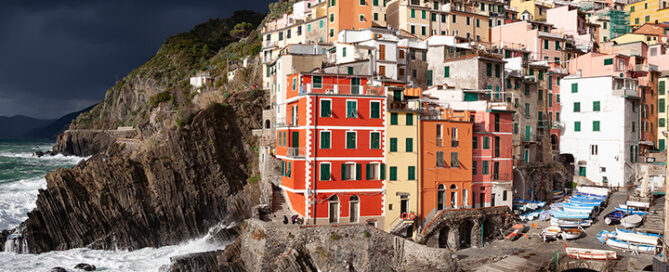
point(482, 231)
point(314, 144)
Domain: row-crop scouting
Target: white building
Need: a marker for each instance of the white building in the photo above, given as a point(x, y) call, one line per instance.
point(600, 116)
point(377, 45)
point(200, 80)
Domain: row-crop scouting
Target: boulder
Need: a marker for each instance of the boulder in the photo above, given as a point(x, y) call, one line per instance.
point(85, 267)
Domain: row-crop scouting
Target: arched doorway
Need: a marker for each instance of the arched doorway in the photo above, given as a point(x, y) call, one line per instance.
point(441, 197)
point(443, 237)
point(354, 209)
point(267, 123)
point(555, 144)
point(454, 196)
point(333, 207)
point(465, 231)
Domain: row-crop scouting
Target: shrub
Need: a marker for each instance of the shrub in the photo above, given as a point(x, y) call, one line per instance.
point(159, 98)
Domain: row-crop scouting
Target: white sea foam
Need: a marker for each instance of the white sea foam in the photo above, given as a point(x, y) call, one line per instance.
point(146, 259)
point(58, 158)
point(18, 198)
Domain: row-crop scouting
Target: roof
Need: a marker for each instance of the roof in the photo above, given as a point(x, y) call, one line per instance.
point(413, 92)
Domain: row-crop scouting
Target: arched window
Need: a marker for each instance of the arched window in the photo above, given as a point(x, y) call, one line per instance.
point(267, 124)
point(454, 195)
point(354, 209)
point(333, 204)
point(441, 195)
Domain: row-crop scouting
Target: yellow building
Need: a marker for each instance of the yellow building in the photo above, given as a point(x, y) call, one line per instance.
point(647, 11)
point(663, 97)
point(536, 8)
point(401, 148)
point(649, 39)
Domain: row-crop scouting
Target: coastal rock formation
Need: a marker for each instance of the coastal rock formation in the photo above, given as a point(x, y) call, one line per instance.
point(264, 246)
point(88, 142)
point(174, 189)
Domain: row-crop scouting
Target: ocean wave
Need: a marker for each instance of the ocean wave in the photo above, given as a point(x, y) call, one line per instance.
point(146, 259)
point(18, 198)
point(31, 156)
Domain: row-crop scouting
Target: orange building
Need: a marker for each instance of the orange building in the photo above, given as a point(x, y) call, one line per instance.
point(445, 161)
point(331, 147)
point(348, 14)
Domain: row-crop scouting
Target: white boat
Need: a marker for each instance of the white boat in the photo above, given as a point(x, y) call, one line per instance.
point(615, 243)
point(550, 233)
point(637, 238)
point(631, 221)
point(571, 234)
point(597, 191)
point(570, 223)
point(591, 254)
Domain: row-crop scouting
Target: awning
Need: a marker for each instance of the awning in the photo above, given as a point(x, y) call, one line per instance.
point(646, 143)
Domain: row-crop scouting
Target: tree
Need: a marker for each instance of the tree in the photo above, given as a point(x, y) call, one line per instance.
point(241, 30)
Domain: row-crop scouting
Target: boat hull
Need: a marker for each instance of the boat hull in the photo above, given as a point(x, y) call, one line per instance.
point(591, 254)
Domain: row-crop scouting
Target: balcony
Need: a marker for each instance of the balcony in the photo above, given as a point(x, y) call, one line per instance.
point(285, 122)
point(550, 35)
point(455, 143)
point(645, 68)
point(295, 152)
point(348, 89)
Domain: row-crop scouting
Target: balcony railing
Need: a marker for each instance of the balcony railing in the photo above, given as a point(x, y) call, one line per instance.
point(354, 89)
point(645, 68)
point(440, 141)
point(455, 143)
point(295, 152)
point(285, 122)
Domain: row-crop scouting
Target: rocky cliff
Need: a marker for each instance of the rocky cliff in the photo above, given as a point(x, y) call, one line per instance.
point(264, 246)
point(171, 190)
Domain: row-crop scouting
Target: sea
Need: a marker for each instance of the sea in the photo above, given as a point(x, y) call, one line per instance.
point(22, 175)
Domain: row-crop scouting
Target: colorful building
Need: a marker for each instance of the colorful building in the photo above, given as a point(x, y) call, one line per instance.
point(331, 146)
point(531, 10)
point(647, 11)
point(402, 194)
point(544, 42)
point(348, 14)
point(663, 84)
point(445, 161)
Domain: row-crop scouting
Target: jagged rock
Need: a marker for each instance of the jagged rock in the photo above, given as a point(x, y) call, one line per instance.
point(172, 191)
point(58, 269)
point(88, 142)
point(3, 238)
point(85, 267)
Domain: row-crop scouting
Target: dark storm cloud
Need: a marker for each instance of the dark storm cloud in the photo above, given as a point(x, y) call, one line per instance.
point(57, 57)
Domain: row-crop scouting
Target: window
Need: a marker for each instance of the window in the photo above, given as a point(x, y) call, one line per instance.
point(423, 31)
point(351, 109)
point(376, 16)
point(540, 95)
point(581, 171)
point(488, 67)
point(423, 14)
point(661, 122)
point(429, 77)
point(454, 159)
point(411, 173)
point(393, 173)
point(527, 89)
point(497, 146)
point(474, 163)
point(343, 52)
point(350, 140)
point(467, 20)
point(409, 145)
point(332, 18)
point(325, 171)
point(486, 142)
point(440, 159)
point(526, 155)
point(577, 126)
point(413, 13)
point(326, 140)
point(594, 149)
point(354, 209)
point(393, 144)
point(495, 170)
point(557, 45)
point(661, 107)
point(475, 143)
point(349, 71)
point(362, 18)
point(372, 171)
point(362, 2)
point(393, 118)
point(413, 29)
point(375, 108)
point(527, 110)
point(375, 140)
point(447, 71)
point(453, 18)
point(541, 74)
point(409, 119)
point(574, 88)
point(550, 99)
point(441, 197)
point(484, 167)
point(497, 72)
point(608, 61)
point(545, 44)
point(577, 106)
point(661, 87)
point(595, 125)
point(326, 108)
point(632, 9)
point(478, 23)
point(349, 171)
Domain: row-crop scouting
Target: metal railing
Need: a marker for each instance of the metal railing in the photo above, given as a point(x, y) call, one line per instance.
point(295, 152)
point(285, 122)
point(353, 89)
point(455, 143)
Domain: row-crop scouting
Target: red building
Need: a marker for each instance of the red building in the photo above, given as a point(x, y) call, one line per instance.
point(553, 106)
point(331, 146)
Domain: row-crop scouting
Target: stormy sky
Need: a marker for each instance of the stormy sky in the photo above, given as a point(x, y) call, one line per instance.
point(58, 57)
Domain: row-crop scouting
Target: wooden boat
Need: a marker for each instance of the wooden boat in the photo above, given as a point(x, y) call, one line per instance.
point(571, 234)
point(590, 254)
point(631, 221)
point(570, 223)
point(637, 238)
point(550, 233)
point(615, 243)
point(514, 232)
point(639, 232)
point(613, 217)
point(603, 235)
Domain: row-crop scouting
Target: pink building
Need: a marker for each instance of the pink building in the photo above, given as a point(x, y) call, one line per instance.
point(572, 21)
point(544, 42)
point(659, 55)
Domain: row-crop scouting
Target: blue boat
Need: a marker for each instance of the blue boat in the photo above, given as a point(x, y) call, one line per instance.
point(603, 235)
point(570, 215)
point(613, 217)
point(631, 211)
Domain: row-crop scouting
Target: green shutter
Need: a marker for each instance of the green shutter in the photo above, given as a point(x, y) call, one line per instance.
point(528, 133)
point(577, 106)
point(574, 87)
point(486, 142)
point(412, 173)
point(383, 171)
point(393, 118)
point(343, 171)
point(595, 125)
point(358, 171)
point(350, 140)
point(376, 110)
point(661, 87)
point(393, 144)
point(375, 140)
point(393, 173)
point(351, 109)
point(368, 171)
point(326, 108)
point(429, 77)
point(577, 126)
point(325, 171)
point(484, 168)
point(325, 139)
point(550, 82)
point(595, 106)
point(409, 145)
point(661, 107)
point(608, 61)
point(488, 67)
point(447, 71)
point(409, 119)
point(661, 144)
